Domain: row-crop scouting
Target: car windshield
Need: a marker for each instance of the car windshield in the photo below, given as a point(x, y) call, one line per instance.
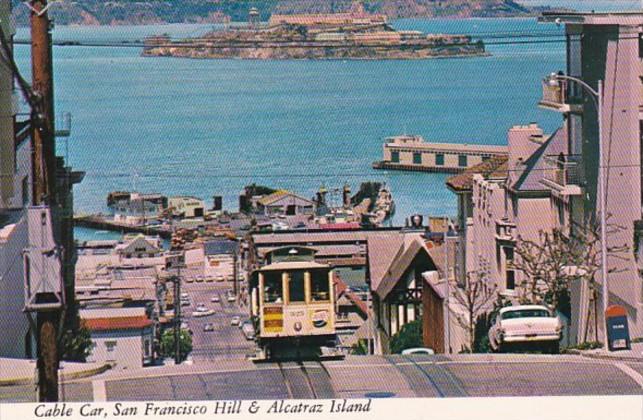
point(526, 313)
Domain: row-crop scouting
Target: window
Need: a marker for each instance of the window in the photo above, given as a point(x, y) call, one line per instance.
point(148, 347)
point(417, 158)
point(526, 313)
point(319, 286)
point(510, 279)
point(110, 346)
point(462, 160)
point(439, 159)
point(296, 290)
point(25, 190)
point(510, 274)
point(395, 157)
point(272, 287)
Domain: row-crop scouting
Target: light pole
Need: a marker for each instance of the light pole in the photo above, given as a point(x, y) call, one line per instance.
point(597, 98)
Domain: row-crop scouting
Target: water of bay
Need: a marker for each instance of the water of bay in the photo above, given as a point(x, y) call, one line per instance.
point(209, 127)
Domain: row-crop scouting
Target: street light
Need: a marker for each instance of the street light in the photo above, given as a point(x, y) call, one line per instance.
point(597, 98)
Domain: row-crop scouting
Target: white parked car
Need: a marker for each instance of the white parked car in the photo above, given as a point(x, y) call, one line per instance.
point(418, 350)
point(524, 325)
point(235, 321)
point(199, 314)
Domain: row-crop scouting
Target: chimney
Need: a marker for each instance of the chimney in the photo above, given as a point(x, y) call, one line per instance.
point(523, 141)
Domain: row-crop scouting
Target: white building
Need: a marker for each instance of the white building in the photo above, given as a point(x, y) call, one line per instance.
point(138, 209)
point(186, 207)
point(219, 258)
point(139, 246)
point(284, 203)
point(121, 336)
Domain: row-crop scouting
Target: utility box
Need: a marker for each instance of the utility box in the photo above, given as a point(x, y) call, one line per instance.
point(43, 282)
point(618, 334)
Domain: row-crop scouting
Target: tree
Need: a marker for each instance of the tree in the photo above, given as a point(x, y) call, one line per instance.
point(550, 264)
point(168, 348)
point(543, 264)
point(474, 297)
point(409, 336)
point(76, 345)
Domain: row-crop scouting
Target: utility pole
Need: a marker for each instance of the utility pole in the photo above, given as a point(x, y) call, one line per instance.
point(235, 272)
point(44, 182)
point(42, 114)
point(177, 317)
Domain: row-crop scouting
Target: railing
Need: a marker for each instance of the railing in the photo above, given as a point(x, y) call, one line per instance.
point(563, 170)
point(553, 93)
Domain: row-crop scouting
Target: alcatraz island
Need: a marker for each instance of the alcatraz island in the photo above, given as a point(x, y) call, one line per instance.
point(354, 34)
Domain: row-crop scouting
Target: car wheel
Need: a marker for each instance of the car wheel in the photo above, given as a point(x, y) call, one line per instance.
point(554, 348)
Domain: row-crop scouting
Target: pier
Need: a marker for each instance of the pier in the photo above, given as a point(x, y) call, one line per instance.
point(102, 223)
point(413, 153)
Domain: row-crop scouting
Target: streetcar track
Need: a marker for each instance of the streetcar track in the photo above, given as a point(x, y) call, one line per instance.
point(308, 380)
point(286, 380)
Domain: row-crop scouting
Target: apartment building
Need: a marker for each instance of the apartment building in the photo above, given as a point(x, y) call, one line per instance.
point(552, 180)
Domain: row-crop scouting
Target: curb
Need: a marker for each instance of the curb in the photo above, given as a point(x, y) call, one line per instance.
point(613, 358)
point(63, 377)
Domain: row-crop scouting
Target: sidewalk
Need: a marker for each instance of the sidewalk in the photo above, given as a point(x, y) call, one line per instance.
point(23, 371)
point(633, 355)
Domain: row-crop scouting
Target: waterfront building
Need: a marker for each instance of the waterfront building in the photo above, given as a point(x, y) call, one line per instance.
point(120, 336)
point(411, 152)
point(186, 207)
point(137, 209)
point(284, 203)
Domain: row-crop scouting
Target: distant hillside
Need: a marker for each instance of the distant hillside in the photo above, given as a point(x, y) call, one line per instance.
point(119, 12)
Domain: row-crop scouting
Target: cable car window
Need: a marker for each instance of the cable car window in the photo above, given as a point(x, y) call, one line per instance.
point(272, 287)
point(319, 286)
point(296, 287)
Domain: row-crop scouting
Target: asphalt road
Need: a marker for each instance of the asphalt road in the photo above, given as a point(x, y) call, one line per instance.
point(359, 377)
point(226, 341)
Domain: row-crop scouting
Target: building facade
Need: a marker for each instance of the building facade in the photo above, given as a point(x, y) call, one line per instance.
point(552, 181)
point(409, 152)
point(120, 336)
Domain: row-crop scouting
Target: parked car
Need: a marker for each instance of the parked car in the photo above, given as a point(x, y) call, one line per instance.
point(526, 325)
point(231, 298)
point(215, 298)
point(418, 350)
point(219, 277)
point(208, 327)
point(185, 302)
point(184, 295)
point(235, 321)
point(199, 279)
point(201, 307)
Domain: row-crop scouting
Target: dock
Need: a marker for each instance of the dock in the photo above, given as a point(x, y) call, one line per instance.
point(103, 223)
point(413, 153)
